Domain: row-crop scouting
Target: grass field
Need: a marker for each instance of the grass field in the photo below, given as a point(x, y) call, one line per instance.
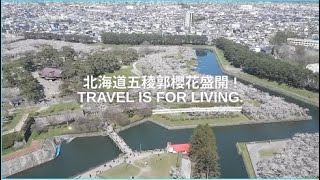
point(54, 131)
point(267, 152)
point(57, 108)
point(17, 115)
point(102, 45)
point(243, 151)
point(156, 167)
point(7, 151)
point(184, 120)
point(299, 94)
point(124, 71)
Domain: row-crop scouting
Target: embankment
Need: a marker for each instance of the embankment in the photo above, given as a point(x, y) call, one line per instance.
point(37, 153)
point(240, 76)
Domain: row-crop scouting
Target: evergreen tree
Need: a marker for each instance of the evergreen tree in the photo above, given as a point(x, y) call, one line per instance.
point(203, 153)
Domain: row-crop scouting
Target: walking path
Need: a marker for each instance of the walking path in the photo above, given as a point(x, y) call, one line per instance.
point(211, 109)
point(19, 126)
point(22, 121)
point(135, 70)
point(128, 158)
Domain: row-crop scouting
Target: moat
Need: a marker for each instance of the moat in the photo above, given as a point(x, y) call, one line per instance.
point(84, 153)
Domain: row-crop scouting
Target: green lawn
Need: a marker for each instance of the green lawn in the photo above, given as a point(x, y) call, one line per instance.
point(267, 152)
point(243, 151)
point(16, 117)
point(120, 46)
point(121, 171)
point(300, 94)
point(185, 120)
point(124, 71)
point(161, 165)
point(253, 102)
point(57, 108)
point(135, 118)
point(54, 131)
point(157, 167)
point(7, 151)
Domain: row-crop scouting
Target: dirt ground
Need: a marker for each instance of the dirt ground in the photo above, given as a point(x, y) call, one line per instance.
point(51, 88)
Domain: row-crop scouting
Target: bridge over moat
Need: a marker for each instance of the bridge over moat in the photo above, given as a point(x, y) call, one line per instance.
point(117, 139)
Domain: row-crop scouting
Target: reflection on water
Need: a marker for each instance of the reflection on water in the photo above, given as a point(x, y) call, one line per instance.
point(207, 63)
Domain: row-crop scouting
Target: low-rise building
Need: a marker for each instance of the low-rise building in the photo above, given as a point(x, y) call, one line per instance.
point(304, 42)
point(50, 73)
point(178, 148)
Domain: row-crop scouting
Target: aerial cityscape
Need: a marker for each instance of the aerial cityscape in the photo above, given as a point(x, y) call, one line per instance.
point(160, 90)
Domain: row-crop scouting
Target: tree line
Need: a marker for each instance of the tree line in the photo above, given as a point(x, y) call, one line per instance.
point(281, 37)
point(18, 75)
point(154, 39)
point(60, 37)
point(74, 67)
point(266, 66)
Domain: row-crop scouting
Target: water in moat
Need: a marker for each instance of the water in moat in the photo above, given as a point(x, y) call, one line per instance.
point(77, 156)
point(83, 153)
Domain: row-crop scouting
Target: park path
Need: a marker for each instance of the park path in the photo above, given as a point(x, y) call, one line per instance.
point(135, 70)
point(22, 121)
point(19, 126)
point(196, 109)
point(42, 108)
point(128, 158)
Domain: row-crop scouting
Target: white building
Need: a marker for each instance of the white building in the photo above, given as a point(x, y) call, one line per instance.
point(188, 20)
point(313, 67)
point(246, 7)
point(304, 42)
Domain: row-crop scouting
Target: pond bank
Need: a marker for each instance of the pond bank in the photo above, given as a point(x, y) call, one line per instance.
point(37, 153)
point(278, 158)
point(169, 127)
point(146, 136)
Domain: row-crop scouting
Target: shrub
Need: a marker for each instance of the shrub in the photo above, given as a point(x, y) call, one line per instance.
point(34, 135)
point(19, 137)
point(146, 112)
point(8, 140)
